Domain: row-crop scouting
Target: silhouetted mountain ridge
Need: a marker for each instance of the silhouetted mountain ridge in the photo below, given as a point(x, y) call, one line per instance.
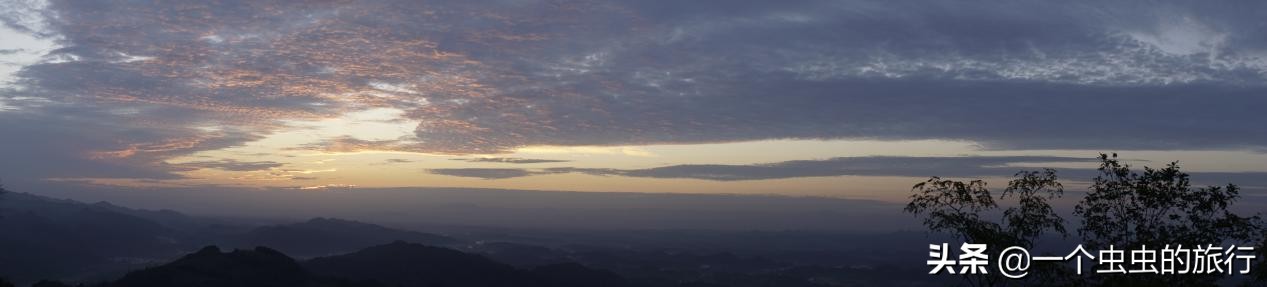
point(397, 264)
point(326, 236)
point(53, 239)
point(46, 238)
point(408, 264)
point(49, 238)
point(209, 267)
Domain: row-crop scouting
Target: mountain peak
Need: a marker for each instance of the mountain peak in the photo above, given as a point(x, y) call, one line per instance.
point(211, 267)
point(325, 236)
point(210, 249)
point(325, 219)
point(268, 251)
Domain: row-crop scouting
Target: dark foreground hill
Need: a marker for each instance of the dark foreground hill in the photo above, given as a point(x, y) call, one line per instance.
point(408, 264)
point(397, 264)
point(209, 267)
point(49, 238)
point(45, 238)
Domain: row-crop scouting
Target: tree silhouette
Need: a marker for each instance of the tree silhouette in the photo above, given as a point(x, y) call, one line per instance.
point(1157, 208)
point(955, 207)
point(1122, 208)
point(1260, 271)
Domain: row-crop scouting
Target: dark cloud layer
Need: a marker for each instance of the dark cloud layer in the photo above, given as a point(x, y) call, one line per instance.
point(134, 84)
point(233, 165)
point(509, 160)
point(484, 173)
point(951, 167)
point(973, 166)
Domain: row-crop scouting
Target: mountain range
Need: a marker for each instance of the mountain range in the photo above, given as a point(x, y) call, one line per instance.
point(394, 264)
point(102, 244)
point(52, 238)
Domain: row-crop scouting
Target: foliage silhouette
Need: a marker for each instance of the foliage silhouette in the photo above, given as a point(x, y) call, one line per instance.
point(1157, 208)
point(956, 207)
point(1122, 208)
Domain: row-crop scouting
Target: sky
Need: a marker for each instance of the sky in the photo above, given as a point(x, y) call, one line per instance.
point(844, 99)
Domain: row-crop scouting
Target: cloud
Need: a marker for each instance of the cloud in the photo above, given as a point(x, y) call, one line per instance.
point(351, 144)
point(24, 16)
point(155, 81)
point(391, 161)
point(950, 167)
point(233, 165)
point(328, 187)
point(1002, 75)
point(484, 173)
point(81, 142)
point(970, 166)
point(514, 160)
